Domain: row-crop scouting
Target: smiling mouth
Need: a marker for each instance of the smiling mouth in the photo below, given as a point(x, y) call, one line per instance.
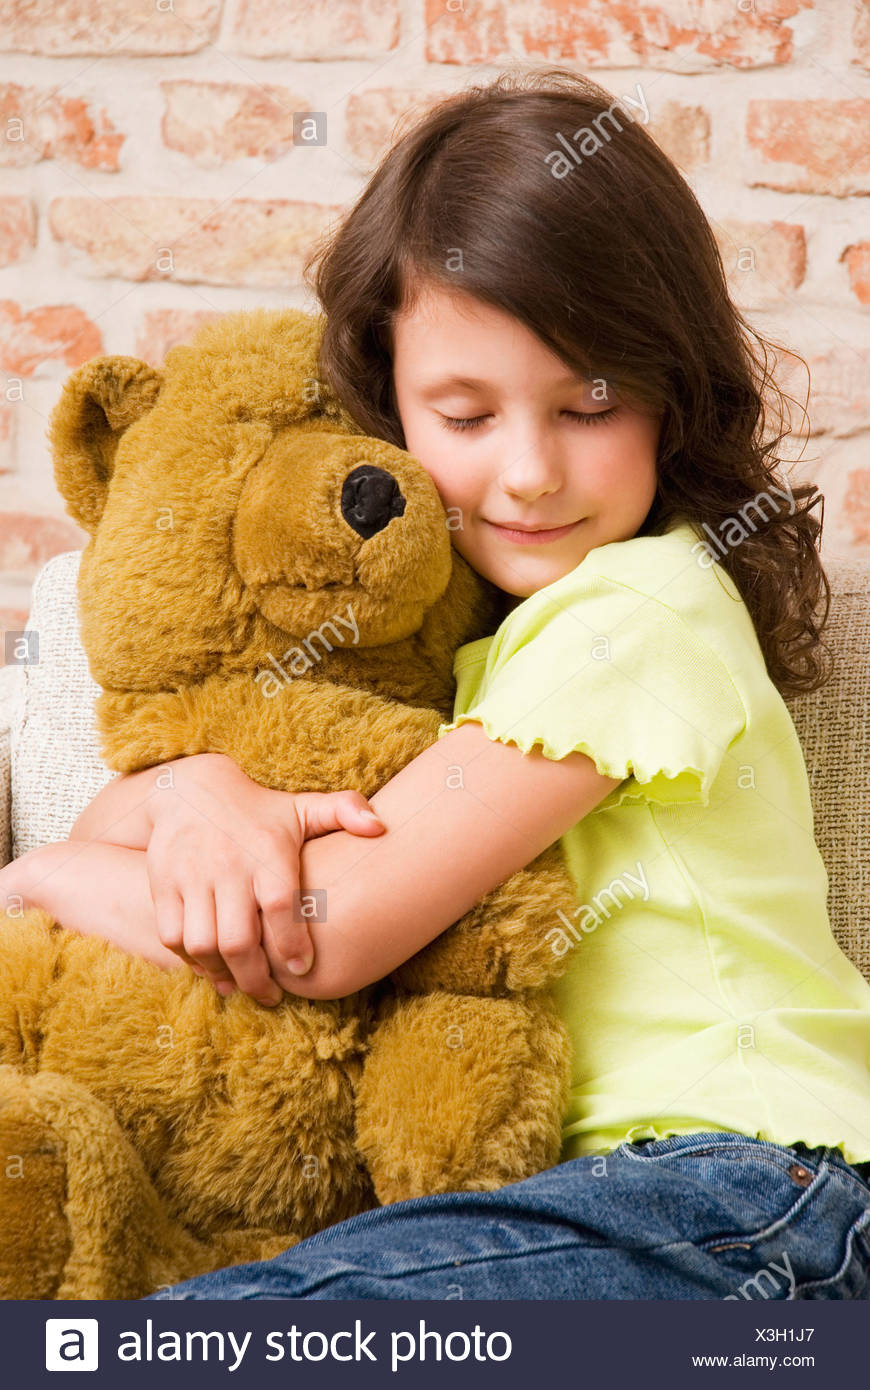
point(537, 535)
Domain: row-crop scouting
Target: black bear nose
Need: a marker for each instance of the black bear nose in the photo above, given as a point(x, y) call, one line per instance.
point(369, 499)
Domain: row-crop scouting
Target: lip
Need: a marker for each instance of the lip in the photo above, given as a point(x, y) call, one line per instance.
point(539, 537)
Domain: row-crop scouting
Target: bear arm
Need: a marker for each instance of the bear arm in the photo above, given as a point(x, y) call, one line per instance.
point(311, 736)
point(502, 946)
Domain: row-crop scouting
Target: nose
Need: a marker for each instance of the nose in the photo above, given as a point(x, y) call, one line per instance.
point(535, 472)
point(370, 498)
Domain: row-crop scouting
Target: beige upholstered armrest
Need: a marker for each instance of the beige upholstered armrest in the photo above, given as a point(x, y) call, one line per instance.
point(10, 687)
point(56, 765)
point(834, 731)
point(5, 800)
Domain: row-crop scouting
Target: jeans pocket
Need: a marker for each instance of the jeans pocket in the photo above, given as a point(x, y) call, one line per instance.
point(751, 1188)
point(853, 1271)
point(815, 1252)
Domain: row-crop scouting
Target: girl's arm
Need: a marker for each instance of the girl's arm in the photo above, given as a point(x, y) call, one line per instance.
point(123, 811)
point(461, 818)
point(119, 813)
point(220, 849)
point(93, 888)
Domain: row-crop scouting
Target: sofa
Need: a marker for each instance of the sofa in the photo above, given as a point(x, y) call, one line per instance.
point(50, 766)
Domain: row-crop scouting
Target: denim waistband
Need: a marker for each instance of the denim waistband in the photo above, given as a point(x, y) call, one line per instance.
point(834, 1158)
point(812, 1155)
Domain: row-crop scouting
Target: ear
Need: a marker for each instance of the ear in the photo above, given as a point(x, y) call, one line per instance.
point(98, 402)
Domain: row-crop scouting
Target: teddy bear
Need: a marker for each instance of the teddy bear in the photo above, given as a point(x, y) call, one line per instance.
point(150, 1128)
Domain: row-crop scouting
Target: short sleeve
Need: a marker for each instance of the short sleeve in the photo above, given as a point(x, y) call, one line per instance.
point(599, 668)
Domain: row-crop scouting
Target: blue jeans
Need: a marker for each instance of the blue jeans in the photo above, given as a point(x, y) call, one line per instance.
point(708, 1215)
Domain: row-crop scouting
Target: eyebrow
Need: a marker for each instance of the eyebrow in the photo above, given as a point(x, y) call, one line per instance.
point(438, 385)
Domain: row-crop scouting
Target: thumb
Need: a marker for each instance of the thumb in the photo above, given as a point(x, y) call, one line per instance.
point(320, 812)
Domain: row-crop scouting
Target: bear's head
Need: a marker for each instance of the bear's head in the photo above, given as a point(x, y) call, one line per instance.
point(235, 509)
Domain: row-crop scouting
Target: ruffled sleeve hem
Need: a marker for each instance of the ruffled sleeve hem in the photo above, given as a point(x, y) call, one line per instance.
point(616, 675)
point(662, 785)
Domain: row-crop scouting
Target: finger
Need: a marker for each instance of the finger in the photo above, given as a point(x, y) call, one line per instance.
point(200, 938)
point(281, 960)
point(321, 812)
point(169, 921)
point(282, 907)
point(240, 941)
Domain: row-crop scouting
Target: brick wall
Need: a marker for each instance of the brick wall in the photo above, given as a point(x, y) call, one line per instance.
point(151, 175)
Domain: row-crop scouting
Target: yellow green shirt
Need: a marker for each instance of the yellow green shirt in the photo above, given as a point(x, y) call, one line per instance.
point(705, 988)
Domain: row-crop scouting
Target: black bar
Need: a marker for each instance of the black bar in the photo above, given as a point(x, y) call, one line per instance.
point(281, 1342)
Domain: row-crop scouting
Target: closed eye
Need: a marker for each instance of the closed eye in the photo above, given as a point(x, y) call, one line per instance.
point(582, 417)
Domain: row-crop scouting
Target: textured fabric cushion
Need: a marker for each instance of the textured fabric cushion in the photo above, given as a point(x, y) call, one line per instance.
point(57, 769)
point(11, 681)
point(833, 728)
point(5, 800)
point(56, 764)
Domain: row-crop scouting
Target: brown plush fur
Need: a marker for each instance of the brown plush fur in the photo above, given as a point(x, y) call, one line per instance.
point(153, 1129)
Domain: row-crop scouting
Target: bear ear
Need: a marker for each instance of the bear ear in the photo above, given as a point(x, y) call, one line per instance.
point(331, 408)
point(98, 402)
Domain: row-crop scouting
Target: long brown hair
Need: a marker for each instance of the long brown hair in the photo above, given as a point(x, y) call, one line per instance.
point(615, 268)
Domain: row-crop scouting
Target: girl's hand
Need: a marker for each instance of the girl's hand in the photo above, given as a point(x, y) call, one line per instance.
point(224, 852)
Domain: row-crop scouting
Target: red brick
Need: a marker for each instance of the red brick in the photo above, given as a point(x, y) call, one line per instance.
point(762, 260)
point(856, 505)
point(857, 258)
point(39, 124)
point(64, 27)
point(314, 29)
point(839, 402)
point(162, 328)
point(861, 34)
point(245, 242)
point(27, 541)
point(17, 229)
point(214, 122)
point(58, 332)
point(599, 33)
point(7, 436)
point(811, 146)
point(482, 34)
point(375, 119)
point(683, 132)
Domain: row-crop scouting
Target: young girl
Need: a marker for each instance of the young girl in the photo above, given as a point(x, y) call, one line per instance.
point(552, 338)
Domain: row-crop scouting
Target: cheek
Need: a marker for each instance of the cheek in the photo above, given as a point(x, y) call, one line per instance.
point(423, 444)
point(454, 481)
point(630, 459)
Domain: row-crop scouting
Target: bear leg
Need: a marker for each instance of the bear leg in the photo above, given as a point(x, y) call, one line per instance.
point(462, 1094)
point(80, 1217)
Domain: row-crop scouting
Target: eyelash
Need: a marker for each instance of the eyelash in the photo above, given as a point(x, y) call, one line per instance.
point(451, 422)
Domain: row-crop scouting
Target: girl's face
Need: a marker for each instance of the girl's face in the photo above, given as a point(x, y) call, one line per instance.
point(547, 448)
